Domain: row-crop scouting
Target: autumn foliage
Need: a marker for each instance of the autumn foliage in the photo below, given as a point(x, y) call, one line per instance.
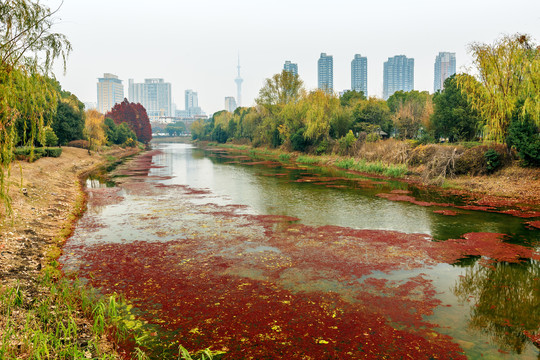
point(135, 116)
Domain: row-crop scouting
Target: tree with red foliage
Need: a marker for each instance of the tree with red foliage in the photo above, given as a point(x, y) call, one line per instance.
point(135, 116)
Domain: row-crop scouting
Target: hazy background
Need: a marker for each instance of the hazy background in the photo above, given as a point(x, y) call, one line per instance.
point(194, 44)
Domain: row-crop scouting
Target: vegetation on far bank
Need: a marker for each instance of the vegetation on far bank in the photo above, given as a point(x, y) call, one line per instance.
point(485, 123)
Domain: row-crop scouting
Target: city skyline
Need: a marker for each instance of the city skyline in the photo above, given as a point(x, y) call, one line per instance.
point(207, 58)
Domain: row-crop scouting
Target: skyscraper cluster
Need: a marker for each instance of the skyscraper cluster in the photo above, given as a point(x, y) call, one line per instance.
point(398, 73)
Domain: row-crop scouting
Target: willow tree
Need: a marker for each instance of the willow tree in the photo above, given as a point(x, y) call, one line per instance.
point(508, 72)
point(28, 48)
point(281, 89)
point(94, 130)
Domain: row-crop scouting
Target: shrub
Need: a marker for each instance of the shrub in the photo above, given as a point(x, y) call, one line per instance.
point(524, 136)
point(53, 152)
point(493, 161)
point(322, 148)
point(484, 159)
point(27, 153)
point(298, 142)
point(422, 154)
point(130, 143)
point(82, 144)
point(346, 143)
point(50, 137)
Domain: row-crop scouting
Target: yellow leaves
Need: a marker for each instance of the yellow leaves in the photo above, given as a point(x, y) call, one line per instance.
point(195, 331)
point(321, 341)
point(508, 70)
point(93, 128)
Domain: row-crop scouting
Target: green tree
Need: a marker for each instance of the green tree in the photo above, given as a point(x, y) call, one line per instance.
point(411, 112)
point(110, 130)
point(280, 89)
point(351, 97)
point(68, 121)
point(176, 128)
point(453, 116)
point(321, 107)
point(508, 72)
point(524, 136)
point(372, 112)
point(123, 134)
point(198, 130)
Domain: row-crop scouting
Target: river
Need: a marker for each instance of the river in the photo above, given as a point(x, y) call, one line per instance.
point(267, 260)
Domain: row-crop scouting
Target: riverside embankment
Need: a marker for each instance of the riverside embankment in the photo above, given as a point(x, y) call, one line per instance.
point(31, 240)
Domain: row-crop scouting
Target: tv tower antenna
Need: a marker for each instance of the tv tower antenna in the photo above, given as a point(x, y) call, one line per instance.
point(238, 82)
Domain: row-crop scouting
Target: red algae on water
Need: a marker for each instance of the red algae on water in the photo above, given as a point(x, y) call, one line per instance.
point(268, 287)
point(490, 246)
point(446, 212)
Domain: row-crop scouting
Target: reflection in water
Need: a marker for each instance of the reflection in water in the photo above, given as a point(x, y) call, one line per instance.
point(506, 301)
point(355, 205)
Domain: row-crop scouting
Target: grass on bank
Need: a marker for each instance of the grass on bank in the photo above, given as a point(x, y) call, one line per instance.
point(362, 165)
point(378, 167)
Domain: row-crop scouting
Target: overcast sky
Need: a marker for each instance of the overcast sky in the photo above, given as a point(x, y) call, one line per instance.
point(194, 44)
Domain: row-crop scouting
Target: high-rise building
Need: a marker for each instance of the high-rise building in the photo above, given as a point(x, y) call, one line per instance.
point(359, 74)
point(398, 75)
point(230, 104)
point(326, 72)
point(192, 103)
point(238, 82)
point(154, 95)
point(291, 67)
point(110, 91)
point(192, 100)
point(445, 66)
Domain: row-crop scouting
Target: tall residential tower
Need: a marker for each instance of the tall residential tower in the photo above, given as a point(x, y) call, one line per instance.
point(326, 72)
point(192, 103)
point(445, 66)
point(359, 74)
point(398, 75)
point(154, 95)
point(110, 91)
point(291, 67)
